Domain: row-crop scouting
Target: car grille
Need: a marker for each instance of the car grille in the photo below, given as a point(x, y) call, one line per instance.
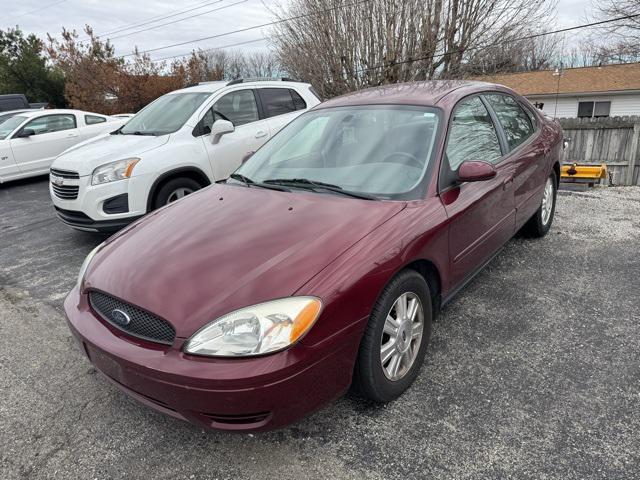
point(142, 324)
point(65, 192)
point(64, 173)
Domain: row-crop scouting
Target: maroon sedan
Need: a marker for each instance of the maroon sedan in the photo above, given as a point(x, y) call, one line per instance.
point(323, 260)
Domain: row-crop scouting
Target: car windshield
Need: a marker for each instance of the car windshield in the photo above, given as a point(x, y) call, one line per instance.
point(381, 151)
point(7, 116)
point(165, 115)
point(9, 125)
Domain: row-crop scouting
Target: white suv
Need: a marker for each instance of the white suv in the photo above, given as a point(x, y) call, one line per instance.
point(181, 142)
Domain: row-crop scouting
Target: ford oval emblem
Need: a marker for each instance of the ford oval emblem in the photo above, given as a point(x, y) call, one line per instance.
point(120, 317)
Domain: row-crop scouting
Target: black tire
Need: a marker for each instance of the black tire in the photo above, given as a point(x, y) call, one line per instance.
point(164, 193)
point(536, 227)
point(369, 378)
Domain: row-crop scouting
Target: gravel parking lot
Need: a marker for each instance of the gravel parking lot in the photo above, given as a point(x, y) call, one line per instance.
point(533, 371)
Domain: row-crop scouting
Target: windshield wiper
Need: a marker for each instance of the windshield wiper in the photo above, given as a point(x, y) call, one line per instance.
point(250, 183)
point(314, 185)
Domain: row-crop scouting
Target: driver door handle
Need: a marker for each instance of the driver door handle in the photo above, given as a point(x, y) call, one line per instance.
point(261, 133)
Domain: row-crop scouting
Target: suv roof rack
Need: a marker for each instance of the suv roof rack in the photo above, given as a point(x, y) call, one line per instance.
point(261, 79)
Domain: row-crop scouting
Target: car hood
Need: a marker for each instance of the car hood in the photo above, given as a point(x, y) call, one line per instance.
point(86, 156)
point(228, 247)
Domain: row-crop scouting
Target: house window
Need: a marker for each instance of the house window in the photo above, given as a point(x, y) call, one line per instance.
point(602, 109)
point(594, 109)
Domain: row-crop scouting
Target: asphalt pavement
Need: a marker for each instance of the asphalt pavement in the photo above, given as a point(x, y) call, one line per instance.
point(533, 371)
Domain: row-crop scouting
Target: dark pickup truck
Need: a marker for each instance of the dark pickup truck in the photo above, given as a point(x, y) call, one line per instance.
point(14, 101)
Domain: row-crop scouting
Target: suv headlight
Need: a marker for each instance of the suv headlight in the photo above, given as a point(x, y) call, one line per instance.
point(86, 263)
point(256, 330)
point(113, 171)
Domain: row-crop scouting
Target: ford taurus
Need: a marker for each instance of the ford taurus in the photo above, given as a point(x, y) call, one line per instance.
point(322, 262)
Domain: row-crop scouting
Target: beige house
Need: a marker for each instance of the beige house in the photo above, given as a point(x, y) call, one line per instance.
point(607, 91)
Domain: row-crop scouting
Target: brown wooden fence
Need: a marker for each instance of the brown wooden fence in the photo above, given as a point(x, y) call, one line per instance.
point(614, 141)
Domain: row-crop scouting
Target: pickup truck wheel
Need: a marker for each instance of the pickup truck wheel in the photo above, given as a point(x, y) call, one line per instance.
point(173, 190)
point(540, 223)
point(395, 341)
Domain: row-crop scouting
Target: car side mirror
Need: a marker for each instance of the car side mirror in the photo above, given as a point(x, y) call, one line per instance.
point(220, 128)
point(475, 171)
point(25, 133)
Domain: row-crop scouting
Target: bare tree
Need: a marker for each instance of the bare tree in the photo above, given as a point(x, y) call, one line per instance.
point(341, 46)
point(210, 65)
point(532, 53)
point(618, 41)
point(261, 64)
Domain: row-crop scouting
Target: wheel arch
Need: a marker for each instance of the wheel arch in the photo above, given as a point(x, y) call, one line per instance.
point(556, 169)
point(431, 275)
point(193, 173)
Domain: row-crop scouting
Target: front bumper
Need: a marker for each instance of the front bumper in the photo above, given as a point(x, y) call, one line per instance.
point(87, 212)
point(260, 393)
point(81, 221)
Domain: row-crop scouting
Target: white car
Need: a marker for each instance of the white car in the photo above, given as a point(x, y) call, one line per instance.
point(4, 116)
point(31, 140)
point(181, 142)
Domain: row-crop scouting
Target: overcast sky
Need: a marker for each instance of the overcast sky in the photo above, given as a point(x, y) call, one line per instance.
point(206, 18)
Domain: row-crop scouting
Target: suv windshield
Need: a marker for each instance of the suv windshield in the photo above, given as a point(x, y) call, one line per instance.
point(8, 126)
point(380, 150)
point(166, 115)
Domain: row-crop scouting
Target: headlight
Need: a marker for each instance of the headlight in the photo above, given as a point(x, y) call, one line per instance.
point(113, 171)
point(85, 264)
point(263, 328)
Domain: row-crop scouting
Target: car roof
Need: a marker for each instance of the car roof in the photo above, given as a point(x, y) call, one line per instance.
point(51, 111)
point(20, 110)
point(212, 87)
point(424, 93)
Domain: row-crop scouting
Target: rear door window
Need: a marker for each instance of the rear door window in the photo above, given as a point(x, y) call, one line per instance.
point(516, 123)
point(278, 101)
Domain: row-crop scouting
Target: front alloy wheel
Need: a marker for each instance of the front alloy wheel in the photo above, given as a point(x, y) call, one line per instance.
point(179, 193)
point(402, 336)
point(394, 343)
point(173, 190)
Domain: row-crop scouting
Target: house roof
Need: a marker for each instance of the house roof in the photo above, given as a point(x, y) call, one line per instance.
point(608, 78)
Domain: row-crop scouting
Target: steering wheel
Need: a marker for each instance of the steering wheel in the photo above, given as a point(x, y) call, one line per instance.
point(413, 161)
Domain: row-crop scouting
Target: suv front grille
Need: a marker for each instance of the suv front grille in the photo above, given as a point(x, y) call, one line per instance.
point(64, 173)
point(141, 323)
point(65, 192)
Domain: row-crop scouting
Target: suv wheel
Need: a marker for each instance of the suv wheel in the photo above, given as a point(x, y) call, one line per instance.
point(173, 190)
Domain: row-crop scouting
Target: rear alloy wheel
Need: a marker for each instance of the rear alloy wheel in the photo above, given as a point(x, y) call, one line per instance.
point(540, 223)
point(174, 190)
point(395, 342)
